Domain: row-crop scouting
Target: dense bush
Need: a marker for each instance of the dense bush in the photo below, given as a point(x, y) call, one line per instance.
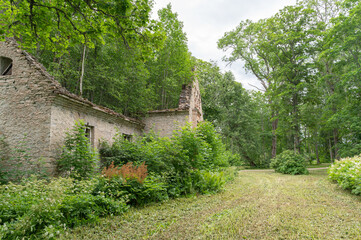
point(131, 183)
point(347, 173)
point(289, 162)
point(42, 209)
point(78, 158)
point(83, 208)
point(120, 151)
point(177, 160)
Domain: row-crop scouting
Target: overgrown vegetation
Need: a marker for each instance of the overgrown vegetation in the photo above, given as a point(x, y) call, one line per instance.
point(41, 209)
point(347, 173)
point(78, 158)
point(151, 169)
point(185, 163)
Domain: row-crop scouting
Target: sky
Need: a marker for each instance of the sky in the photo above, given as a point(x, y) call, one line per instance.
point(206, 21)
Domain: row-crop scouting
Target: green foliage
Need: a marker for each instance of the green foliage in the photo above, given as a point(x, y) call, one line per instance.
point(347, 173)
point(306, 59)
point(56, 25)
point(78, 159)
point(120, 152)
point(207, 182)
point(40, 209)
point(237, 114)
point(172, 65)
point(176, 164)
point(289, 162)
point(84, 208)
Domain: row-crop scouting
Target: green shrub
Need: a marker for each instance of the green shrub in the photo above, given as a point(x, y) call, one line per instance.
point(207, 182)
point(38, 209)
point(233, 159)
point(78, 159)
point(218, 156)
point(153, 189)
point(27, 209)
point(85, 208)
point(120, 152)
point(289, 162)
point(187, 162)
point(347, 173)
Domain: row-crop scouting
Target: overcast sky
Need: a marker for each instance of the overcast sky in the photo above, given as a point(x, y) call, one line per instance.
point(206, 21)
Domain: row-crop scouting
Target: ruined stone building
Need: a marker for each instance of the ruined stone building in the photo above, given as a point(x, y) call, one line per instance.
point(34, 105)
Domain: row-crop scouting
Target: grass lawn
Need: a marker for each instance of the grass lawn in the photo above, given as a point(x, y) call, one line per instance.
point(257, 205)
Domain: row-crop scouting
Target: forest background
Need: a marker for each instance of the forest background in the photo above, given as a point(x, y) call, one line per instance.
point(306, 58)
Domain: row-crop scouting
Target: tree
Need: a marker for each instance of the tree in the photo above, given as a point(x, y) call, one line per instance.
point(172, 65)
point(60, 24)
point(251, 43)
point(236, 116)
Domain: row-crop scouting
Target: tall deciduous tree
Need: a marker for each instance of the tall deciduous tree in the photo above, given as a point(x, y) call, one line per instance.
point(172, 65)
point(59, 24)
point(234, 113)
point(251, 43)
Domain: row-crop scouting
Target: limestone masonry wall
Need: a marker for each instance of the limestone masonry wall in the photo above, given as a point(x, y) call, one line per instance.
point(25, 102)
point(66, 111)
point(195, 108)
point(165, 122)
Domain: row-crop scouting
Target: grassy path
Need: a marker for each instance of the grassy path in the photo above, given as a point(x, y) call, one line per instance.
point(257, 205)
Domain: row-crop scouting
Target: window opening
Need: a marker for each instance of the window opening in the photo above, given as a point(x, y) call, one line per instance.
point(89, 133)
point(6, 66)
point(127, 137)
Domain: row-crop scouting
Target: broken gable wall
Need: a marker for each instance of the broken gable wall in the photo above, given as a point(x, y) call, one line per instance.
point(165, 122)
point(25, 103)
point(195, 105)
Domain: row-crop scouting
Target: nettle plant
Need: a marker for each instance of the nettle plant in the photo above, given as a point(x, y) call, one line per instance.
point(78, 158)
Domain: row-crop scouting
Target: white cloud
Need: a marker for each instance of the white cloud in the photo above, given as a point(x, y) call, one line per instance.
point(206, 21)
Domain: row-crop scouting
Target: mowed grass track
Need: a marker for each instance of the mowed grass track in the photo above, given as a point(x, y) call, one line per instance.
point(256, 205)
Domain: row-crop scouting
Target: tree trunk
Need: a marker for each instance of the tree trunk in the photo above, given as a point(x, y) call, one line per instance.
point(335, 142)
point(296, 127)
point(317, 156)
point(82, 72)
point(263, 139)
point(330, 148)
point(274, 135)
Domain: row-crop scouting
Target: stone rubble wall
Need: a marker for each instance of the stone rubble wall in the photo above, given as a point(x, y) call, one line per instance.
point(25, 103)
point(66, 111)
point(195, 109)
point(165, 122)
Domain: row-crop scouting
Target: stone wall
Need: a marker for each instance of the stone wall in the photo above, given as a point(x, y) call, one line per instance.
point(25, 103)
point(65, 111)
point(190, 100)
point(164, 122)
point(195, 106)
